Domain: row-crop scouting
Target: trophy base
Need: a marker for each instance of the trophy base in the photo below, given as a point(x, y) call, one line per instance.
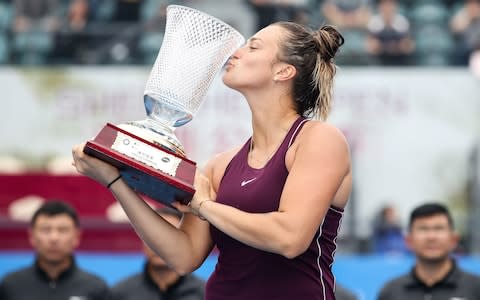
point(146, 167)
point(155, 133)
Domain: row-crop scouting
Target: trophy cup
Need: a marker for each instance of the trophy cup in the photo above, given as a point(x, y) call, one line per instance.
point(148, 154)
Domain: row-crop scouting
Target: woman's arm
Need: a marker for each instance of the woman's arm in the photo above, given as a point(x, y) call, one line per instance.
point(184, 249)
point(318, 166)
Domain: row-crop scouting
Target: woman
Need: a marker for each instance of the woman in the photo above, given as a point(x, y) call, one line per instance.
point(273, 205)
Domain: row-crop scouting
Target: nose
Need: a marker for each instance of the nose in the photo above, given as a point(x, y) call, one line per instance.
point(238, 53)
point(54, 235)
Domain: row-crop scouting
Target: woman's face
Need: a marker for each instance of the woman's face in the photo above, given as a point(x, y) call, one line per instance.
point(253, 65)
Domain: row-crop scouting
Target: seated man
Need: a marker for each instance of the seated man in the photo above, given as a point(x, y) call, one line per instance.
point(389, 39)
point(158, 281)
point(465, 26)
point(54, 234)
point(435, 275)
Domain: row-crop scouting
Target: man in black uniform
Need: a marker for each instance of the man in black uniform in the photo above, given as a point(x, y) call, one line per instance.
point(54, 234)
point(158, 281)
point(435, 275)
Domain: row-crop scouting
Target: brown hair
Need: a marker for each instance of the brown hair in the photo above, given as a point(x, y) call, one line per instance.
point(311, 53)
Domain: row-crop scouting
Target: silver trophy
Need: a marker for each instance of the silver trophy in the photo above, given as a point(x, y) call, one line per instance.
point(194, 49)
point(151, 158)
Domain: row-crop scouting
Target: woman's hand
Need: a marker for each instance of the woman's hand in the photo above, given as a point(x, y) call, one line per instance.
point(92, 167)
point(203, 192)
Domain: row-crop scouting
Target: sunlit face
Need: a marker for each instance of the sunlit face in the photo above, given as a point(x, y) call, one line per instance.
point(432, 238)
point(253, 65)
point(155, 260)
point(54, 238)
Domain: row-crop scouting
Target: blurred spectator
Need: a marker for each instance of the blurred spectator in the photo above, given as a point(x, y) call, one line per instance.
point(127, 10)
point(432, 238)
point(387, 232)
point(120, 45)
point(73, 40)
point(389, 39)
point(270, 11)
point(293, 10)
point(159, 281)
point(34, 24)
point(38, 15)
point(78, 14)
point(465, 25)
point(342, 293)
point(347, 14)
point(265, 12)
point(54, 234)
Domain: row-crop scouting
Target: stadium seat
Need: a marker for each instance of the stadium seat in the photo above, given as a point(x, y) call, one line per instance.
point(429, 13)
point(4, 49)
point(32, 47)
point(6, 16)
point(434, 45)
point(353, 52)
point(104, 10)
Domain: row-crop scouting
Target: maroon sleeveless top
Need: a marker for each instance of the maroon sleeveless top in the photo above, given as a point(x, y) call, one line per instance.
point(243, 272)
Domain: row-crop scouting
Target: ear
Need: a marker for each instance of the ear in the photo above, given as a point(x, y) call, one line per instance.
point(31, 239)
point(455, 239)
point(77, 237)
point(284, 72)
point(408, 241)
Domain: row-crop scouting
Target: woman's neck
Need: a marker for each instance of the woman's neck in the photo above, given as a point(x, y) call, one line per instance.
point(269, 129)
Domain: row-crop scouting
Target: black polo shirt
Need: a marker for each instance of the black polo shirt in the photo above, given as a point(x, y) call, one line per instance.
point(457, 285)
point(72, 284)
point(141, 286)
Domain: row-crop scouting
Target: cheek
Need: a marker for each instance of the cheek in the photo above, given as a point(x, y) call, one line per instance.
point(70, 239)
point(451, 243)
point(74, 241)
point(38, 240)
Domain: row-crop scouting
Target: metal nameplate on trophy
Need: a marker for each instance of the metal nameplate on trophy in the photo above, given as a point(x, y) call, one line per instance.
point(150, 157)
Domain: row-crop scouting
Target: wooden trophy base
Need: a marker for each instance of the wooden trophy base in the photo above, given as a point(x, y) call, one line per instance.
point(146, 167)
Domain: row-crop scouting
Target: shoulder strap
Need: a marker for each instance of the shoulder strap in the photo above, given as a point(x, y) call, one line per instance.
point(297, 130)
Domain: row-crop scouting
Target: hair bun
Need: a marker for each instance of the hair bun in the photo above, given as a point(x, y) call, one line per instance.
point(329, 41)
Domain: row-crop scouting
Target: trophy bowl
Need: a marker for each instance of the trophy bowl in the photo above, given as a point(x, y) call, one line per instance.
point(150, 157)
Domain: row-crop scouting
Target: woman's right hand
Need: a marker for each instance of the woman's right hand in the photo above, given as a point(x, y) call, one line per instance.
point(92, 167)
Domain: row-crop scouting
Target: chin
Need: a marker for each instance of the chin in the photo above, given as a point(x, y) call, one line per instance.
point(54, 260)
point(226, 80)
point(433, 258)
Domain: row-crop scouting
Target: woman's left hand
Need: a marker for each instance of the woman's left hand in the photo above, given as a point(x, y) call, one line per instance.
point(203, 191)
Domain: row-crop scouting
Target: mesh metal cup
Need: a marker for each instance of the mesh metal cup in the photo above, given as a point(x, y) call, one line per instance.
point(194, 49)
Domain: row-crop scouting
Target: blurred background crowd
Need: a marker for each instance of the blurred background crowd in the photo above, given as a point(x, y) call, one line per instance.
point(379, 32)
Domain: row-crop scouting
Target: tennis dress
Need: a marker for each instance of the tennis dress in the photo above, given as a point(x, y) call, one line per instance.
point(243, 272)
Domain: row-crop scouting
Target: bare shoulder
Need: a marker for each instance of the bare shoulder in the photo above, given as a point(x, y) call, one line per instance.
point(320, 144)
point(323, 133)
point(321, 151)
point(215, 167)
